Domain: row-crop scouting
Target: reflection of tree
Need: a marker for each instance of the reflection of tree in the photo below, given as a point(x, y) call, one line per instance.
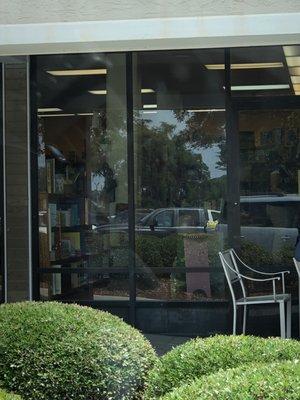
point(204, 130)
point(107, 154)
point(169, 172)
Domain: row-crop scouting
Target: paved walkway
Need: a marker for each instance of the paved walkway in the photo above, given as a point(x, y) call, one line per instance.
point(164, 343)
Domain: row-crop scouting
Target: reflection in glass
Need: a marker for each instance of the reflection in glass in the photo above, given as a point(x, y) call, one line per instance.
point(82, 135)
point(180, 169)
point(92, 286)
point(270, 188)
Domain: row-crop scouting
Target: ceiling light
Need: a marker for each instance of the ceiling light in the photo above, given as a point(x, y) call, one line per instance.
point(208, 110)
point(295, 79)
point(291, 51)
point(245, 65)
point(147, 91)
point(296, 87)
point(260, 87)
point(55, 115)
point(78, 72)
point(293, 61)
point(150, 106)
point(85, 114)
point(49, 109)
point(102, 91)
point(294, 70)
point(149, 112)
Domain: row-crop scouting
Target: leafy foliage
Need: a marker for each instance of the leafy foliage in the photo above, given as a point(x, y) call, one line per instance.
point(256, 382)
point(199, 357)
point(8, 396)
point(157, 251)
point(53, 351)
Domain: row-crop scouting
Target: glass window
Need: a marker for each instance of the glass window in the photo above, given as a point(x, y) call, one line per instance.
point(269, 188)
point(180, 167)
point(83, 189)
point(188, 218)
point(262, 71)
point(163, 218)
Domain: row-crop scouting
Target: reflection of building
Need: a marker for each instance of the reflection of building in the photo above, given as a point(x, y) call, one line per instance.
point(100, 134)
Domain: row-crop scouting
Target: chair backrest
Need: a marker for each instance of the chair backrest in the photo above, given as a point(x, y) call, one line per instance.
point(232, 274)
point(297, 265)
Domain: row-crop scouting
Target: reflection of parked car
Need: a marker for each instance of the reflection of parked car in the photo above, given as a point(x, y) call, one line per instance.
point(176, 219)
point(270, 221)
point(122, 216)
point(166, 220)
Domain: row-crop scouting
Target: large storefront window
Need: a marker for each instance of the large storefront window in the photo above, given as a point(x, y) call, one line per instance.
point(82, 164)
point(180, 174)
point(150, 163)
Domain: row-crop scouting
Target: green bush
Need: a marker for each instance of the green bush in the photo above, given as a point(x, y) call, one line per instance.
point(279, 381)
point(53, 351)
point(8, 396)
point(199, 357)
point(157, 251)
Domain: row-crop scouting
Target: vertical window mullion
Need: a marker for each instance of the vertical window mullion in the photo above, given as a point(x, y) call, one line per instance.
point(131, 188)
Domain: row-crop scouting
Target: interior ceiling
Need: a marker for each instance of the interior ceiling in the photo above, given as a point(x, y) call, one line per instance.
point(174, 74)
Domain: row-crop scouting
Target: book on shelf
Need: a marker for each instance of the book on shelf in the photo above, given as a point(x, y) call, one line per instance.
point(53, 214)
point(74, 238)
point(50, 174)
point(56, 282)
point(65, 217)
point(75, 220)
point(86, 210)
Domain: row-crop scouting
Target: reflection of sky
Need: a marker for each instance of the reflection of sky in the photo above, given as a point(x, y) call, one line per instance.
point(210, 156)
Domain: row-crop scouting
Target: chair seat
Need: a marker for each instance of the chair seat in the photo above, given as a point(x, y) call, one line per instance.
point(264, 299)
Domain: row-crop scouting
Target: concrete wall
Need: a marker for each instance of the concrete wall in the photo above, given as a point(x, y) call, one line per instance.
point(31, 11)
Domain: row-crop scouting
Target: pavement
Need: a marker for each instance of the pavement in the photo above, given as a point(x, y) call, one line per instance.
point(164, 343)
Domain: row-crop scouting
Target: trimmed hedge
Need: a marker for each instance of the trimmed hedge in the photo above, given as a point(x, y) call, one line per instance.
point(8, 396)
point(279, 381)
point(199, 357)
point(54, 351)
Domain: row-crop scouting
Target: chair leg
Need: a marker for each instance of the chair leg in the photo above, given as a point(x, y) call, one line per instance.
point(288, 319)
point(282, 319)
point(244, 320)
point(234, 320)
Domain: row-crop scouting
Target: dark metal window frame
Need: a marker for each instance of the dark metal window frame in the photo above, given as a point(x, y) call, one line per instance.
point(2, 247)
point(132, 304)
point(232, 106)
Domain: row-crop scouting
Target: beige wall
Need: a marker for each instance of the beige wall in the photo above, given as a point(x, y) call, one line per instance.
point(31, 11)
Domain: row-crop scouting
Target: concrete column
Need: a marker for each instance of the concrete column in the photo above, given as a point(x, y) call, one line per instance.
point(16, 171)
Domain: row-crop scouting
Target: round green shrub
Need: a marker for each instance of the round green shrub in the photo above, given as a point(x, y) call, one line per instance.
point(8, 396)
point(280, 381)
point(54, 351)
point(199, 357)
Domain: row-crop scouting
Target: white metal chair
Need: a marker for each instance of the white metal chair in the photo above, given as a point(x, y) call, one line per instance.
point(297, 265)
point(229, 260)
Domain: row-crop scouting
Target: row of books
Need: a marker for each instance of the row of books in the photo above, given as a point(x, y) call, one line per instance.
point(66, 218)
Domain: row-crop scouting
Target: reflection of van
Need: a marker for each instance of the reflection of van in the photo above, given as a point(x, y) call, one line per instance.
point(270, 221)
point(176, 220)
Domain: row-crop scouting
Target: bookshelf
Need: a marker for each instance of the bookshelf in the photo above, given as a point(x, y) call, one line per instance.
point(64, 213)
point(64, 207)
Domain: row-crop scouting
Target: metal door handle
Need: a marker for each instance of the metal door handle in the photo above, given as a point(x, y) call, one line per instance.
point(285, 237)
